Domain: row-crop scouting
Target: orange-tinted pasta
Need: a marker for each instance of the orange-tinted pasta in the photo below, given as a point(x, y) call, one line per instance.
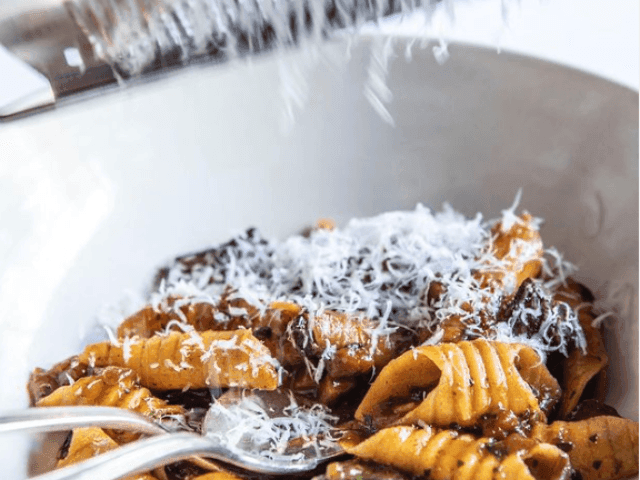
point(581, 367)
point(43, 382)
point(113, 387)
point(269, 327)
point(218, 476)
point(355, 469)
point(600, 447)
point(520, 248)
point(197, 360)
point(460, 383)
point(355, 348)
point(89, 442)
point(447, 454)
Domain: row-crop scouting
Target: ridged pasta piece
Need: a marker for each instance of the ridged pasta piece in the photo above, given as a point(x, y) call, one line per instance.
point(86, 443)
point(116, 387)
point(460, 383)
point(520, 248)
point(599, 448)
point(449, 455)
point(580, 368)
point(269, 326)
point(191, 360)
point(89, 442)
point(113, 387)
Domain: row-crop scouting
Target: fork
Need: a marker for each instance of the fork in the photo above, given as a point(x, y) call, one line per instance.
point(147, 454)
point(150, 453)
point(55, 419)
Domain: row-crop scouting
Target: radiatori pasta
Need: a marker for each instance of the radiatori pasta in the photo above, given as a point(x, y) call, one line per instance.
point(180, 360)
point(446, 454)
point(112, 387)
point(436, 346)
point(461, 383)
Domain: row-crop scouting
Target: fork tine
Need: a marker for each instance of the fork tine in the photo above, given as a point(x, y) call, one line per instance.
point(52, 419)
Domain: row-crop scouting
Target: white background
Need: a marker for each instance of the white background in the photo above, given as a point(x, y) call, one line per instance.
point(597, 36)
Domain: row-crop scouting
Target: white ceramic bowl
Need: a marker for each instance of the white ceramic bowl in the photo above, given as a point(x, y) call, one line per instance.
point(96, 195)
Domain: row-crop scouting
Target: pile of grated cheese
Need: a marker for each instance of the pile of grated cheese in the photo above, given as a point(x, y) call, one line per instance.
point(380, 267)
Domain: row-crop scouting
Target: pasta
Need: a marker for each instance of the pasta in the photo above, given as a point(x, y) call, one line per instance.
point(351, 469)
point(446, 454)
point(43, 382)
point(113, 387)
point(89, 442)
point(581, 367)
point(600, 447)
point(218, 476)
point(519, 247)
point(461, 383)
point(181, 360)
point(269, 326)
point(438, 347)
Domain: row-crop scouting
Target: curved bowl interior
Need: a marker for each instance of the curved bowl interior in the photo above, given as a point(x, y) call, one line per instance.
point(96, 195)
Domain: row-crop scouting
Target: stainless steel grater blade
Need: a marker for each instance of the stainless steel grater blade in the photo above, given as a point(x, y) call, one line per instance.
point(85, 47)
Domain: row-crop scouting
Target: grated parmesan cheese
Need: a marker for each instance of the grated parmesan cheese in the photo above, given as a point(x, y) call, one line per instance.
point(126, 349)
point(249, 422)
point(69, 378)
point(405, 433)
point(111, 335)
point(380, 268)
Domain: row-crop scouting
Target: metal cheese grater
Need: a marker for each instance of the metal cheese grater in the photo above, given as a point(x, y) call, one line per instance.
point(87, 46)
